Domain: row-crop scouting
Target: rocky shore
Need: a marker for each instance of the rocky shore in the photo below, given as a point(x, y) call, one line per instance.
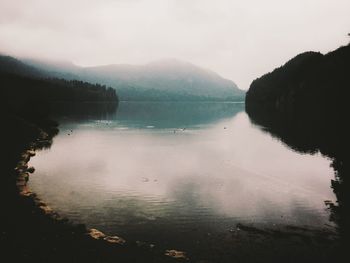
point(34, 232)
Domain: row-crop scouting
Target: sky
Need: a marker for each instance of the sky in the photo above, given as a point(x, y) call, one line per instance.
point(239, 39)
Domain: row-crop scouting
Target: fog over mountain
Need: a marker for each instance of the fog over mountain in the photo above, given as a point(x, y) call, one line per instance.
point(238, 39)
point(167, 79)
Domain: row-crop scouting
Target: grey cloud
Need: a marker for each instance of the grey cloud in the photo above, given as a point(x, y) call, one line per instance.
point(238, 39)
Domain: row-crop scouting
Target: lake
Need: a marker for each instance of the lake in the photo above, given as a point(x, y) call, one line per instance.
point(179, 175)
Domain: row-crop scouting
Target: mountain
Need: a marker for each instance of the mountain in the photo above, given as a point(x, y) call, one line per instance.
point(164, 80)
point(311, 84)
point(25, 89)
point(57, 69)
point(11, 65)
point(309, 96)
point(167, 79)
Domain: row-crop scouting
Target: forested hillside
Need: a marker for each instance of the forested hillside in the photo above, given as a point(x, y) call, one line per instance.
point(311, 85)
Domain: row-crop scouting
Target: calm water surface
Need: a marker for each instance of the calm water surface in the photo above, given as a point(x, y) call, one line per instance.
point(178, 173)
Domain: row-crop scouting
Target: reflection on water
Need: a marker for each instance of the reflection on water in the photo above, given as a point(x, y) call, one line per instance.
point(149, 114)
point(179, 174)
point(327, 133)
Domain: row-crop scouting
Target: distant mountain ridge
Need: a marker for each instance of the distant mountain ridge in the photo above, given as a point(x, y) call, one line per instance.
point(168, 79)
point(11, 65)
point(24, 86)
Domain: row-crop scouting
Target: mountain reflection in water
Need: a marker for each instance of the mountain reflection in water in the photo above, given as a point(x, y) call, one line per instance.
point(312, 136)
point(182, 175)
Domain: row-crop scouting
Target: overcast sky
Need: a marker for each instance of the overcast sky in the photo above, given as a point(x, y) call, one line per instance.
point(239, 39)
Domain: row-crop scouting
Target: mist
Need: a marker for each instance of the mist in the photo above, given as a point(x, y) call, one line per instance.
point(240, 40)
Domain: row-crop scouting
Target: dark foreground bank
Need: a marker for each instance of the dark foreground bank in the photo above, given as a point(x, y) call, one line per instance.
point(31, 231)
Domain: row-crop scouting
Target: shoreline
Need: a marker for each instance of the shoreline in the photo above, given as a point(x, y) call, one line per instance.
point(22, 178)
point(97, 240)
point(56, 235)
